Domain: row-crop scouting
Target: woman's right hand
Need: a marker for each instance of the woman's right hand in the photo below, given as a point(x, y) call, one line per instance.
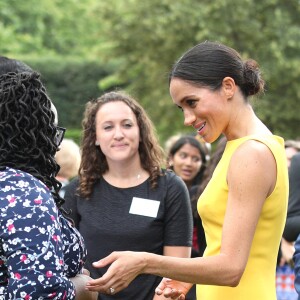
point(79, 282)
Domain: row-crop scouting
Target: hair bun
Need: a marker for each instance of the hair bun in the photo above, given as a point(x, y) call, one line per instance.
point(253, 82)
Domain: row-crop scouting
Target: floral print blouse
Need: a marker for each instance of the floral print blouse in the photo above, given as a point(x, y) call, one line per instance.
point(39, 248)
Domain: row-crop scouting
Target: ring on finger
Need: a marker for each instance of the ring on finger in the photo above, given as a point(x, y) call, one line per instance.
point(111, 290)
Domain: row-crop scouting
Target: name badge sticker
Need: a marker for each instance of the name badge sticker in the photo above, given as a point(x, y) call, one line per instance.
point(144, 207)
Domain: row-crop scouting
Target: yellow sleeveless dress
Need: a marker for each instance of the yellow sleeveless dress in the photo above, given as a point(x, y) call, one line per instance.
point(258, 280)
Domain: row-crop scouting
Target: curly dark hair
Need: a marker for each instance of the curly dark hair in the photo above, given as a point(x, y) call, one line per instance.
point(94, 163)
point(27, 129)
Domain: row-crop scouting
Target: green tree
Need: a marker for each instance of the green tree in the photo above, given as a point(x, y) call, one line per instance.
point(56, 38)
point(150, 35)
point(48, 27)
point(142, 39)
point(70, 84)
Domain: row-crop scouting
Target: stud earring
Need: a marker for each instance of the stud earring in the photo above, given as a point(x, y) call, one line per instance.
point(97, 143)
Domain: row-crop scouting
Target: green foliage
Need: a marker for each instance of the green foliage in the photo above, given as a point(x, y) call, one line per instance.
point(70, 84)
point(151, 35)
point(74, 134)
point(47, 27)
point(138, 41)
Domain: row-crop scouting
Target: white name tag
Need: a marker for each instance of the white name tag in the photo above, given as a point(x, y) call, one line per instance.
point(144, 207)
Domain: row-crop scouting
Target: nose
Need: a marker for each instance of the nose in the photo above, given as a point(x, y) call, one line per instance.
point(118, 133)
point(188, 161)
point(189, 118)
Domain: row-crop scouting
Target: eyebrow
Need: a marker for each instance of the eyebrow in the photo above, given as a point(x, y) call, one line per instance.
point(188, 97)
point(113, 121)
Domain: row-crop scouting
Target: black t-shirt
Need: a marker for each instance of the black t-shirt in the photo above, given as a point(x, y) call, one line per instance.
point(136, 219)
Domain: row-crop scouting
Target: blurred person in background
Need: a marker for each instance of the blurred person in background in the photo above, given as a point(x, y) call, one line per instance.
point(285, 273)
point(122, 199)
point(169, 143)
point(292, 226)
point(291, 148)
point(290, 247)
point(42, 255)
point(187, 158)
point(68, 158)
point(292, 230)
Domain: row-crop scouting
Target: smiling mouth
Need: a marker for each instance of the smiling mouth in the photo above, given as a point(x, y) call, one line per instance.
point(201, 127)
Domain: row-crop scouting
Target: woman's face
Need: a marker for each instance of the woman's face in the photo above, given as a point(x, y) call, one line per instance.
point(207, 111)
point(117, 131)
point(186, 163)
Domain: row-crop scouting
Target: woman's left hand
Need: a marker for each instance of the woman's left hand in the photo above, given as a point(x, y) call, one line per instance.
point(173, 289)
point(86, 272)
point(79, 282)
point(124, 267)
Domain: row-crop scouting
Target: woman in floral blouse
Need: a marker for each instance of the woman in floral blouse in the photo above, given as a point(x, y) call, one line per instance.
point(41, 253)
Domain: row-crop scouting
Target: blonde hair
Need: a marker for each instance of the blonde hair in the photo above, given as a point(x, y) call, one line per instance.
point(68, 158)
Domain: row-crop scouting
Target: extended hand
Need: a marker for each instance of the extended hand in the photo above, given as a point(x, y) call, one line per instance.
point(124, 267)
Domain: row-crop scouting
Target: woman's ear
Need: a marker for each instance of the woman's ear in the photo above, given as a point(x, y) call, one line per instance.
point(229, 87)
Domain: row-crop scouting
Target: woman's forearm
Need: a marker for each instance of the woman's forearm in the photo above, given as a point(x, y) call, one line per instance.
point(194, 270)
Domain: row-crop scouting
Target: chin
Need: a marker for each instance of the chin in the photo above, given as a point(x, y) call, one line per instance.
point(210, 139)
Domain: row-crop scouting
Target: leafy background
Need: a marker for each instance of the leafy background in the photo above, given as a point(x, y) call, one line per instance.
point(86, 47)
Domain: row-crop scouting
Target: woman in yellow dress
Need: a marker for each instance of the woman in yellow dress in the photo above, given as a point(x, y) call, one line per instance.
point(243, 208)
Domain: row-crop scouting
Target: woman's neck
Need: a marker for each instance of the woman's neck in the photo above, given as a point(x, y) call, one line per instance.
point(125, 175)
point(245, 123)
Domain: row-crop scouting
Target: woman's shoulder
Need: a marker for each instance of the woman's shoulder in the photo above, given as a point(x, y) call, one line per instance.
point(170, 178)
point(253, 151)
point(19, 177)
point(8, 172)
point(167, 174)
point(254, 145)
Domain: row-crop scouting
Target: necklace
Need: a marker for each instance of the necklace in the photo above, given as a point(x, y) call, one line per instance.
point(138, 176)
